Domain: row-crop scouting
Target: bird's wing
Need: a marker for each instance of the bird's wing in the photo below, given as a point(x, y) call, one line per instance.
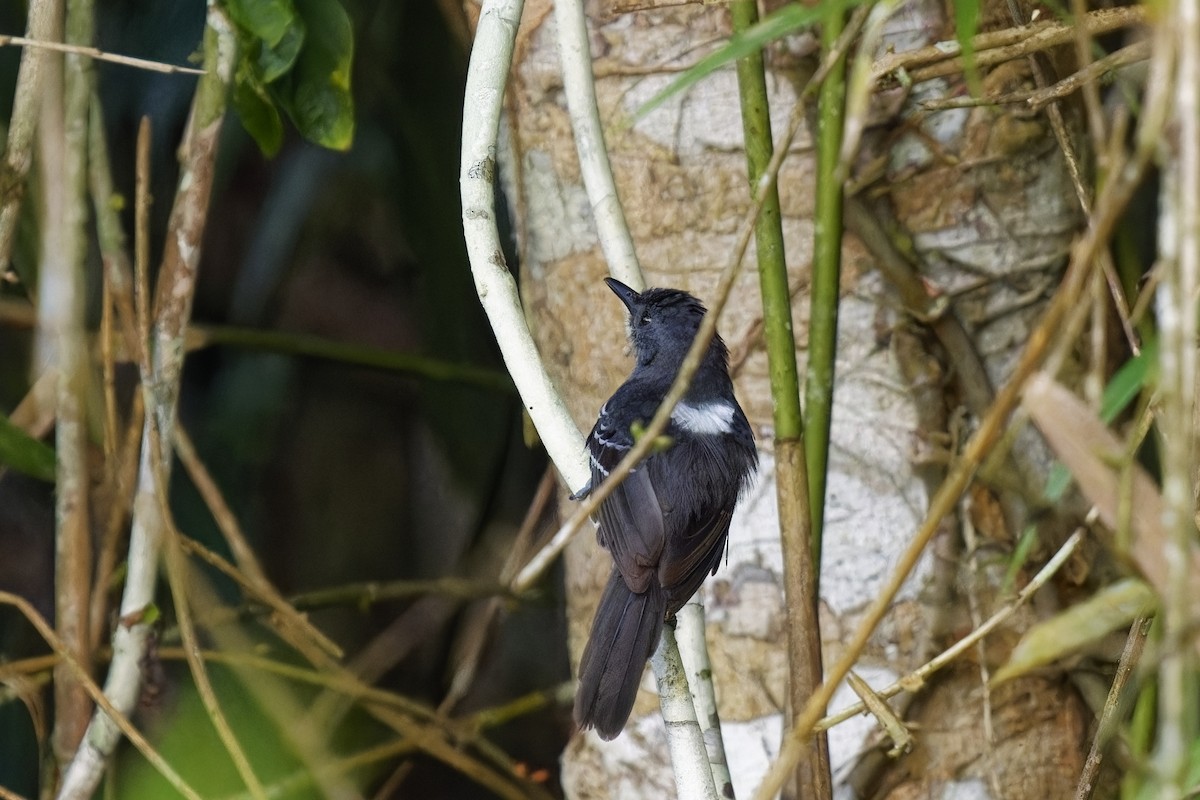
point(631, 518)
point(694, 491)
point(691, 555)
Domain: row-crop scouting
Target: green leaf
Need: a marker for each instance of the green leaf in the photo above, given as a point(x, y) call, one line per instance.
point(1133, 376)
point(1020, 555)
point(966, 25)
point(257, 110)
point(1110, 609)
point(317, 97)
point(268, 20)
point(25, 454)
point(788, 19)
point(276, 60)
point(1057, 482)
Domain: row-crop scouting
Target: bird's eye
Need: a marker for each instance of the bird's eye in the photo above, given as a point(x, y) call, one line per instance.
point(645, 319)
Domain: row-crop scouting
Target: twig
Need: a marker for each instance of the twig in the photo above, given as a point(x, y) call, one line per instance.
point(60, 345)
point(1067, 145)
point(161, 383)
point(350, 686)
point(22, 124)
point(471, 655)
point(99, 55)
point(1036, 98)
point(491, 57)
point(945, 58)
point(689, 625)
point(116, 716)
point(307, 345)
point(123, 471)
point(295, 628)
point(989, 730)
point(1131, 654)
point(177, 580)
point(917, 678)
point(290, 617)
point(9, 794)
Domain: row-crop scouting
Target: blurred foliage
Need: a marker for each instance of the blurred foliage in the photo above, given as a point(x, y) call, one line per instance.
point(337, 470)
point(1110, 608)
point(24, 453)
point(294, 56)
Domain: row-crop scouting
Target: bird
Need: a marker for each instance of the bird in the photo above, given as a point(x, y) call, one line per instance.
point(667, 525)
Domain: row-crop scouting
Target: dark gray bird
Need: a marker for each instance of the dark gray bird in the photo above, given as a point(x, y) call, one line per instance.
point(667, 524)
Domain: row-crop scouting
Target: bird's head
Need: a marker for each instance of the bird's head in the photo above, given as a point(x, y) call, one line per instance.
point(662, 324)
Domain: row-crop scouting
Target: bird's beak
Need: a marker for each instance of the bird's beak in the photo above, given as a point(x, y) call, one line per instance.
point(628, 296)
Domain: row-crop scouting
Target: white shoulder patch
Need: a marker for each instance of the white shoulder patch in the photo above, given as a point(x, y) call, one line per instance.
point(711, 418)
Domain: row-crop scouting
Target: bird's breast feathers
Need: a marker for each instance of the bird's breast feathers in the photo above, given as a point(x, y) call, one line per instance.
point(712, 418)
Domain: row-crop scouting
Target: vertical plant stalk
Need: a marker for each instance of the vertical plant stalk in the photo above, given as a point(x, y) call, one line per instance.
point(800, 569)
point(61, 346)
point(693, 652)
point(22, 125)
point(1179, 261)
point(826, 277)
point(689, 757)
point(579, 86)
point(160, 382)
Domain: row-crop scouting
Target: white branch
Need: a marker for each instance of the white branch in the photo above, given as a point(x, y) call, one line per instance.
point(580, 88)
point(487, 76)
point(689, 758)
point(693, 649)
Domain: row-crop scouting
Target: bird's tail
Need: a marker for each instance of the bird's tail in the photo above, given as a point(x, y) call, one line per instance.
point(624, 635)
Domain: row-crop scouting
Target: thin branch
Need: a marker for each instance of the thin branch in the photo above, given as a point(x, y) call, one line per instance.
point(985, 679)
point(22, 125)
point(294, 626)
point(580, 90)
point(693, 650)
point(994, 47)
point(97, 54)
point(487, 74)
point(1131, 654)
point(177, 580)
point(307, 345)
point(920, 676)
point(117, 717)
point(1036, 98)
